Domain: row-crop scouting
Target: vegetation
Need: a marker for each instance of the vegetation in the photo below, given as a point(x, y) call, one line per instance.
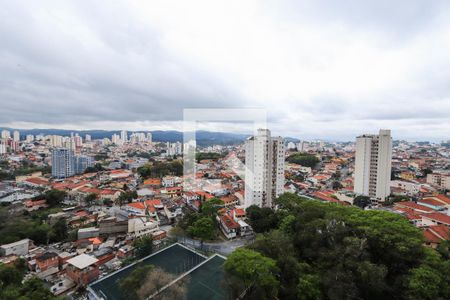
point(96, 168)
point(161, 169)
point(328, 251)
point(207, 155)
point(250, 269)
point(203, 229)
point(32, 226)
point(126, 197)
point(202, 224)
point(304, 159)
point(261, 219)
point(146, 280)
point(361, 201)
point(143, 246)
point(53, 197)
point(11, 286)
point(90, 198)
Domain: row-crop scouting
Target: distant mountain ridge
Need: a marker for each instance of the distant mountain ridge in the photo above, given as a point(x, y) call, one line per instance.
point(204, 138)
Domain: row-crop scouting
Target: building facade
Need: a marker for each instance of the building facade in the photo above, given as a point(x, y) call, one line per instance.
point(373, 165)
point(264, 169)
point(63, 163)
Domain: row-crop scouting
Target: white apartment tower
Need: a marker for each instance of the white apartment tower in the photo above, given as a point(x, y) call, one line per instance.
point(373, 165)
point(16, 136)
point(264, 169)
point(124, 136)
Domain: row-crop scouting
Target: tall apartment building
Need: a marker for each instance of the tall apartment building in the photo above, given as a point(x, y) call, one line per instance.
point(63, 163)
point(264, 169)
point(373, 165)
point(124, 136)
point(6, 134)
point(82, 162)
point(16, 136)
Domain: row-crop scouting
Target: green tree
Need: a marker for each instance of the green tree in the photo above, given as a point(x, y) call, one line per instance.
point(424, 283)
point(143, 246)
point(256, 272)
point(204, 229)
point(90, 198)
point(9, 276)
point(304, 159)
point(261, 219)
point(131, 284)
point(126, 197)
point(210, 207)
point(34, 288)
point(59, 231)
point(361, 201)
point(54, 197)
point(308, 287)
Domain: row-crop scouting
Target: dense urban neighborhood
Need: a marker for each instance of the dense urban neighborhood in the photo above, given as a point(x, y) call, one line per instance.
point(79, 214)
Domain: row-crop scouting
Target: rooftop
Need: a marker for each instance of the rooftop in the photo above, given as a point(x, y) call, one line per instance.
point(82, 261)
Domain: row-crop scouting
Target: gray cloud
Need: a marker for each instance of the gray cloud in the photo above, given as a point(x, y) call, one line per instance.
point(321, 68)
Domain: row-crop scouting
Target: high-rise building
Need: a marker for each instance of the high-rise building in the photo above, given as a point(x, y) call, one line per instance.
point(56, 140)
point(87, 138)
point(6, 134)
point(82, 162)
point(3, 148)
point(149, 137)
point(264, 169)
point(116, 139)
point(16, 136)
point(373, 165)
point(77, 140)
point(63, 163)
point(124, 136)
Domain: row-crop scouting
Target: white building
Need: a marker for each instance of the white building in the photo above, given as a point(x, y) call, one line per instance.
point(16, 136)
point(17, 248)
point(6, 134)
point(2, 147)
point(373, 165)
point(124, 136)
point(264, 172)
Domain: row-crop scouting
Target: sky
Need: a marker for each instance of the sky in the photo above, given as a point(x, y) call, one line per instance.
point(321, 69)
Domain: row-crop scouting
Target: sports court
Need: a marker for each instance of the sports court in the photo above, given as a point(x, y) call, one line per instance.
point(175, 259)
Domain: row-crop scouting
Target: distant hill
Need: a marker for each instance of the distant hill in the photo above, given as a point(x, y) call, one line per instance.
point(204, 138)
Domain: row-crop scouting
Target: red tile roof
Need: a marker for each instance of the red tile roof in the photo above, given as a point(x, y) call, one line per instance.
point(438, 217)
point(431, 201)
point(38, 181)
point(229, 222)
point(413, 205)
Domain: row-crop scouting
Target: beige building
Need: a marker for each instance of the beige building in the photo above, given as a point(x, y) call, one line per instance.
point(373, 165)
point(439, 179)
point(264, 169)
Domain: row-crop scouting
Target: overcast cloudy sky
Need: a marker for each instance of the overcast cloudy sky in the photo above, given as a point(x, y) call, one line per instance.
point(322, 69)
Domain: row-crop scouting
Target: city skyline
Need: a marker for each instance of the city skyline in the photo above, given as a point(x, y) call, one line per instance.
point(321, 70)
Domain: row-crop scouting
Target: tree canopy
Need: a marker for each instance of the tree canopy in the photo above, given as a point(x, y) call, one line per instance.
point(144, 246)
point(328, 251)
point(304, 159)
